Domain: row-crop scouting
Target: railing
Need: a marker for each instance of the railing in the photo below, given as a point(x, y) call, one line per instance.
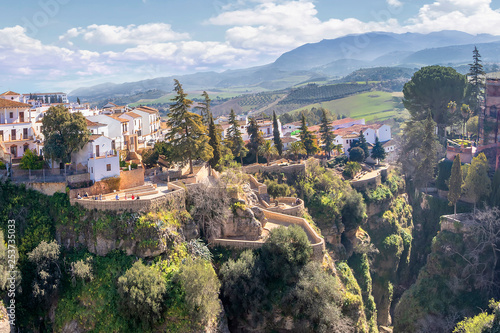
point(43, 175)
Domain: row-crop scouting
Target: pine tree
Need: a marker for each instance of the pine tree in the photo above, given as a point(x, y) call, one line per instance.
point(455, 184)
point(276, 133)
point(188, 135)
point(477, 183)
point(427, 154)
point(214, 142)
point(307, 138)
point(327, 135)
point(256, 138)
point(234, 140)
point(476, 74)
point(205, 111)
point(378, 151)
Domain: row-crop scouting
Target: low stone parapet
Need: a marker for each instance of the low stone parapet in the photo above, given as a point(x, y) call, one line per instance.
point(290, 206)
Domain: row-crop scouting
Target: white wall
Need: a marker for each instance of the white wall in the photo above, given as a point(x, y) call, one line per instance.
point(384, 133)
point(98, 167)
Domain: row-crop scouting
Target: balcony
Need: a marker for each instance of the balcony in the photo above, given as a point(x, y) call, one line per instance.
point(109, 153)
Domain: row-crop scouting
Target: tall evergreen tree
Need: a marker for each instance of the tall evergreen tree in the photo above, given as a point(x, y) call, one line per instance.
point(455, 184)
point(256, 138)
point(476, 75)
point(205, 111)
point(276, 134)
point(307, 138)
point(214, 141)
point(378, 151)
point(477, 183)
point(427, 154)
point(188, 135)
point(234, 140)
point(361, 143)
point(327, 135)
point(78, 100)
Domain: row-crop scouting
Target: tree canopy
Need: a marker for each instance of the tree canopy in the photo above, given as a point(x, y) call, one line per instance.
point(378, 151)
point(307, 138)
point(327, 135)
point(188, 135)
point(430, 90)
point(64, 133)
point(234, 140)
point(256, 138)
point(455, 184)
point(477, 183)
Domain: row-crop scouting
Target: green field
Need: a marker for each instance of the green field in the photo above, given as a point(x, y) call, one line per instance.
point(373, 105)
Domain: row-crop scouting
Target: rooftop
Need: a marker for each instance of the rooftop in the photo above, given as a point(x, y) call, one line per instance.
point(9, 93)
point(6, 103)
point(133, 115)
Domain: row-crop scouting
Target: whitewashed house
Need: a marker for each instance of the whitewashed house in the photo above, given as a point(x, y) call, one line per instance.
point(150, 123)
point(117, 129)
point(98, 157)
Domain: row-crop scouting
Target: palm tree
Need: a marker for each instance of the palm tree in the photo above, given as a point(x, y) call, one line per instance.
point(338, 148)
point(296, 149)
point(267, 150)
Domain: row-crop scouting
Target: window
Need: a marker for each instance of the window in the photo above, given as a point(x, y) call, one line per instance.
point(13, 134)
point(11, 115)
point(108, 167)
point(92, 170)
point(25, 133)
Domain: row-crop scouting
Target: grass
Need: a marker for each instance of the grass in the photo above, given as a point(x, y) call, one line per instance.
point(372, 106)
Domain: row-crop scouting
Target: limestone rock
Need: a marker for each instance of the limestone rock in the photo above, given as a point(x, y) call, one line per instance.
point(243, 225)
point(259, 215)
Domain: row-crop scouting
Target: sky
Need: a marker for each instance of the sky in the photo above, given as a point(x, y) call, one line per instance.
point(48, 45)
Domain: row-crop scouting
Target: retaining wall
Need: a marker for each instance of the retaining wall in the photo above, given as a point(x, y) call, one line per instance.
point(261, 188)
point(84, 177)
point(455, 224)
point(176, 199)
point(48, 188)
point(131, 178)
point(292, 209)
point(318, 243)
point(288, 169)
point(370, 183)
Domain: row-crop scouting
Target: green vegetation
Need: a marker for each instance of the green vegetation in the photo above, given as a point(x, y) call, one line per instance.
point(373, 105)
point(31, 160)
point(313, 93)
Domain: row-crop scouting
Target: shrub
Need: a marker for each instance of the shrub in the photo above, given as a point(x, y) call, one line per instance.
point(123, 164)
point(113, 183)
point(357, 154)
point(142, 290)
point(2, 165)
point(31, 160)
point(351, 169)
point(201, 290)
point(276, 190)
point(47, 280)
point(81, 269)
point(133, 165)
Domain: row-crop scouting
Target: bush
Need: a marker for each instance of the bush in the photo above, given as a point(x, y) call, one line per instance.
point(2, 165)
point(31, 160)
point(276, 190)
point(81, 269)
point(142, 290)
point(123, 164)
point(338, 160)
point(201, 290)
point(133, 165)
point(357, 154)
point(47, 280)
point(351, 169)
point(286, 251)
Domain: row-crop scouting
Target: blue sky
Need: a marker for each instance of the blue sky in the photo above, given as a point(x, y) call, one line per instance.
point(64, 44)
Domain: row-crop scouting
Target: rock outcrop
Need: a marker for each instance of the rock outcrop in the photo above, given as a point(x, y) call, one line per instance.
point(243, 224)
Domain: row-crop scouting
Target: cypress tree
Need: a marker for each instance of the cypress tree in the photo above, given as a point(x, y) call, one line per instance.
point(307, 138)
point(205, 109)
point(256, 138)
point(378, 151)
point(476, 73)
point(276, 133)
point(327, 135)
point(427, 154)
point(455, 184)
point(214, 142)
point(234, 140)
point(188, 135)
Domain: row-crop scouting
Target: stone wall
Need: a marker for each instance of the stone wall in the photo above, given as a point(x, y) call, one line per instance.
point(288, 169)
point(317, 243)
point(290, 209)
point(131, 178)
point(176, 199)
point(456, 224)
point(83, 177)
point(370, 183)
point(261, 188)
point(48, 188)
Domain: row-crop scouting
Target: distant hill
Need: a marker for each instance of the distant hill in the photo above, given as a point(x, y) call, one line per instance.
point(330, 59)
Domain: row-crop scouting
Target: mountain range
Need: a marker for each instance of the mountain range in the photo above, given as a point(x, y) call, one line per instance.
point(329, 58)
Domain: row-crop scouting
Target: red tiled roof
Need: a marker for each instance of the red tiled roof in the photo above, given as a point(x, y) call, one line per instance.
point(341, 121)
point(94, 137)
point(133, 115)
point(6, 103)
point(147, 109)
point(123, 120)
point(9, 93)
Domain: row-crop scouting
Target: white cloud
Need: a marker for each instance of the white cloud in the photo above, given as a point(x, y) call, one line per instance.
point(277, 27)
point(131, 34)
point(472, 16)
point(394, 3)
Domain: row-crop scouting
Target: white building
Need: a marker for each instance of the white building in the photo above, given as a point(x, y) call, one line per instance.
point(150, 122)
point(135, 122)
point(16, 126)
point(46, 98)
point(98, 157)
point(117, 129)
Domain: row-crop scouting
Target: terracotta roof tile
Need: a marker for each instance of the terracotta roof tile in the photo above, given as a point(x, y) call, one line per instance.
point(133, 115)
point(9, 93)
point(6, 103)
